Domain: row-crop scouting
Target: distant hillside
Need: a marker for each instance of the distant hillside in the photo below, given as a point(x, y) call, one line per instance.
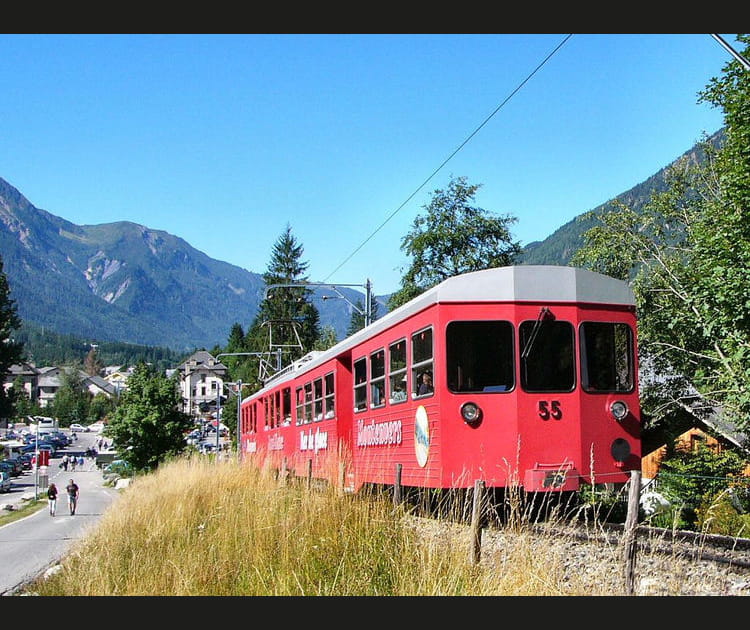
point(559, 247)
point(125, 282)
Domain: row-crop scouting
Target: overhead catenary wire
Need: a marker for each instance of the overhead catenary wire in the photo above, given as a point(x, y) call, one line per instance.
point(450, 157)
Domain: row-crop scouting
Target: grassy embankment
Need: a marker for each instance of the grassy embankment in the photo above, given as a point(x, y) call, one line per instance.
point(197, 528)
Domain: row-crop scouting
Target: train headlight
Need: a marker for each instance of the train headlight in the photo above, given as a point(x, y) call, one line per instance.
point(471, 413)
point(619, 410)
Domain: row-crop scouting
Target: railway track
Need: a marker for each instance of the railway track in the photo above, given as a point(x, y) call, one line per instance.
point(667, 562)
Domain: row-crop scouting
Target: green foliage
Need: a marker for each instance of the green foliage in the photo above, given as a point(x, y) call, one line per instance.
point(11, 350)
point(717, 515)
point(452, 238)
point(147, 426)
point(688, 253)
point(72, 400)
point(689, 477)
point(45, 347)
point(601, 503)
point(288, 310)
point(327, 338)
point(357, 321)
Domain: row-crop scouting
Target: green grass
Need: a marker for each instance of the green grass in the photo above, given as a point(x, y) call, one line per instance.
point(26, 509)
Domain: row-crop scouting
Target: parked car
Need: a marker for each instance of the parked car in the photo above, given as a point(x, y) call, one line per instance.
point(26, 460)
point(5, 483)
point(97, 427)
point(17, 464)
point(118, 467)
point(9, 469)
point(78, 428)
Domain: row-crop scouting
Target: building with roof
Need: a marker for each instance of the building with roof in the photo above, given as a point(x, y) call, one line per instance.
point(201, 383)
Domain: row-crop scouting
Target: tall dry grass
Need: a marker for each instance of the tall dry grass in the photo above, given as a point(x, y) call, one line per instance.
point(198, 527)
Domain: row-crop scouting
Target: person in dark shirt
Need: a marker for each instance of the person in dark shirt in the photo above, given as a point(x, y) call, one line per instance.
point(72, 490)
point(52, 498)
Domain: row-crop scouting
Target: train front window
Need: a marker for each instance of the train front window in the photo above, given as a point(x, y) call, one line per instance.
point(547, 355)
point(607, 357)
point(479, 356)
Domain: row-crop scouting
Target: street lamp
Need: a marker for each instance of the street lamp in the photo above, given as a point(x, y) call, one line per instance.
point(368, 294)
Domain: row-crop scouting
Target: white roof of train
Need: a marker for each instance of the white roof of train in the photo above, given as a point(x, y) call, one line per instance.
point(520, 283)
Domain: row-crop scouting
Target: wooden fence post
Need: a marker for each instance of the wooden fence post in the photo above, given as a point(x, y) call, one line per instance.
point(631, 531)
point(342, 477)
point(476, 521)
point(309, 473)
point(397, 487)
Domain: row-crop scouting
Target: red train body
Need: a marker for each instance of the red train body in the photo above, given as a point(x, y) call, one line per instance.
point(534, 372)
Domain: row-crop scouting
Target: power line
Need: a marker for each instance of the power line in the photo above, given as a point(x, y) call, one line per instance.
point(450, 157)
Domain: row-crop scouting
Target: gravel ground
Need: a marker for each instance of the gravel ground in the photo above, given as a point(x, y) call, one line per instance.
point(570, 563)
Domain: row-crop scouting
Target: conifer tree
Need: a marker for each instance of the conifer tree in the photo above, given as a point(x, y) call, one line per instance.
point(11, 351)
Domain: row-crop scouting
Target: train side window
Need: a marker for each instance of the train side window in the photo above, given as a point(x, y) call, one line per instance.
point(479, 356)
point(330, 396)
point(300, 407)
point(547, 355)
point(308, 403)
point(286, 402)
point(318, 398)
point(422, 367)
point(272, 411)
point(607, 363)
point(377, 378)
point(360, 384)
point(397, 371)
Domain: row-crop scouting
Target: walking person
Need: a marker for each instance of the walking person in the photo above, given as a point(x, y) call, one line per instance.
point(72, 490)
point(52, 498)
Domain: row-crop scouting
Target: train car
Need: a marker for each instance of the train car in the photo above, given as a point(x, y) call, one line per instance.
point(522, 376)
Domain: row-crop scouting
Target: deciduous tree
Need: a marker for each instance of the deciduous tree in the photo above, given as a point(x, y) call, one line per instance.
point(147, 425)
point(688, 253)
point(451, 238)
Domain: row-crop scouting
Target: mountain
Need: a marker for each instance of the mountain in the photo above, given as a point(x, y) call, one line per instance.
point(559, 247)
point(125, 282)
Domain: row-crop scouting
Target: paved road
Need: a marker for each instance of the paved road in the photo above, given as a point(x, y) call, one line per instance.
point(32, 544)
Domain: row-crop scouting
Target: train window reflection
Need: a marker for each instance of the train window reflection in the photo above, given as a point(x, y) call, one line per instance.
point(479, 356)
point(547, 362)
point(330, 396)
point(397, 370)
point(607, 357)
point(377, 378)
point(360, 384)
point(421, 369)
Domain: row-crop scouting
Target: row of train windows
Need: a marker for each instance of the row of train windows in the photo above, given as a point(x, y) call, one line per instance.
point(479, 358)
point(396, 387)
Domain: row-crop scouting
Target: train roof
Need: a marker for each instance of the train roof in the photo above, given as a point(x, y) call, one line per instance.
point(518, 283)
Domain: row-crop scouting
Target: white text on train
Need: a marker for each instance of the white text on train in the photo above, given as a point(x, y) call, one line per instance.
point(378, 434)
point(275, 443)
point(313, 441)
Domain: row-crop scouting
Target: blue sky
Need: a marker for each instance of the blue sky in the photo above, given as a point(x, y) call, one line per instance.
point(224, 139)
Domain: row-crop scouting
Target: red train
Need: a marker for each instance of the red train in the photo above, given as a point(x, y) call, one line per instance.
point(520, 376)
